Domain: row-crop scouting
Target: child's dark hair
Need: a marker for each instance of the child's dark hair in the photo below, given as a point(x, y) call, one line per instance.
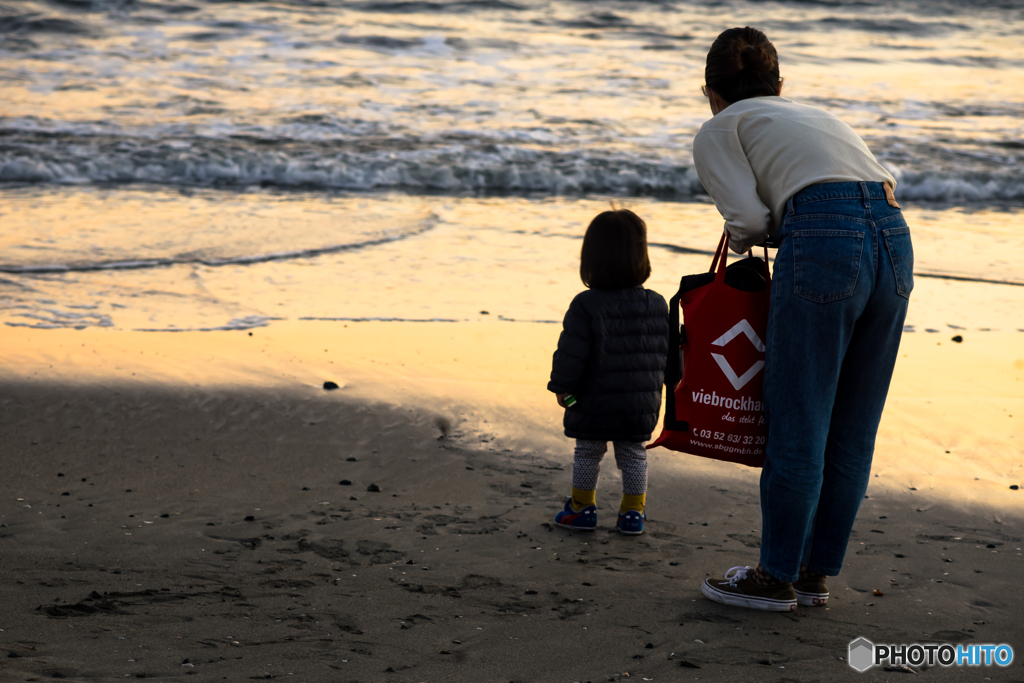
point(742, 63)
point(614, 254)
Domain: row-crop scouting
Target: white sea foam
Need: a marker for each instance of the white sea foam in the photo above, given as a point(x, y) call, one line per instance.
point(969, 187)
point(449, 169)
point(457, 169)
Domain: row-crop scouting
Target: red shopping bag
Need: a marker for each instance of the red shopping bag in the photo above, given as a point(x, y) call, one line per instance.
point(715, 368)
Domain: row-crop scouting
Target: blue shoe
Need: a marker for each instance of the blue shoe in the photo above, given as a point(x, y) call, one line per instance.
point(584, 520)
point(631, 523)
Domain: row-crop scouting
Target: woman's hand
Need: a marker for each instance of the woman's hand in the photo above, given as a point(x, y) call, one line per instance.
point(561, 399)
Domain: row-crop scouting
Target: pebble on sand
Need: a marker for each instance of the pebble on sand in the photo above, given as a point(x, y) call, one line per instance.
point(330, 386)
point(250, 518)
point(1014, 487)
point(344, 482)
point(444, 426)
point(373, 488)
point(958, 338)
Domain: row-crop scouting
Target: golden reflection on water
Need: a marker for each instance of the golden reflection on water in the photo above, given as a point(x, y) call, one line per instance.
point(512, 68)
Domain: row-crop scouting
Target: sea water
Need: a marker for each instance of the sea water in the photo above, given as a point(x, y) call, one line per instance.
point(224, 165)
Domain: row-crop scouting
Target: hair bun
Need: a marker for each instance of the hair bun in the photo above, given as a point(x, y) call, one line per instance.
point(742, 63)
point(753, 57)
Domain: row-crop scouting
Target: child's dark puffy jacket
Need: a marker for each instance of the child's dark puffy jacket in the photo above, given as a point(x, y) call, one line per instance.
point(611, 357)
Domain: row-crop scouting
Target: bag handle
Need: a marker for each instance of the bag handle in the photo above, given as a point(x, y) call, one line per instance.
point(723, 248)
point(767, 271)
point(722, 253)
point(673, 372)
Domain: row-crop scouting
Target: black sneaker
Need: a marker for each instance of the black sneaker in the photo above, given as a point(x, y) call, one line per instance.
point(811, 592)
point(736, 589)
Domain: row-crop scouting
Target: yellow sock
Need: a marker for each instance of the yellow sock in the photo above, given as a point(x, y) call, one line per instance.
point(635, 503)
point(581, 498)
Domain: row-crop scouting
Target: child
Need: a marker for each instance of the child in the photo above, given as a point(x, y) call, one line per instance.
point(611, 358)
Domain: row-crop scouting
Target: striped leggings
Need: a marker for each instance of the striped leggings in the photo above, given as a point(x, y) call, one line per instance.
point(630, 457)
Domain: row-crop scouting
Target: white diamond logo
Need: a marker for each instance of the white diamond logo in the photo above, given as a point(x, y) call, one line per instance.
point(742, 327)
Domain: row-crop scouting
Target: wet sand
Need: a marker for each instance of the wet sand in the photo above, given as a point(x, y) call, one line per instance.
point(189, 519)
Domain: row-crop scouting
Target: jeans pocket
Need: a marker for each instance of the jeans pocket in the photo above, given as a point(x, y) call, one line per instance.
point(826, 263)
point(901, 253)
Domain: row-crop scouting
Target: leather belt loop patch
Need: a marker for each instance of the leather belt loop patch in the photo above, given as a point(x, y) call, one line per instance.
point(890, 196)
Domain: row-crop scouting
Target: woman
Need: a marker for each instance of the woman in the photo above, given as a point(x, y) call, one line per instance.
point(843, 273)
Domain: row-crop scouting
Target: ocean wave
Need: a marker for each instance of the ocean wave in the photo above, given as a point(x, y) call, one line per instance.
point(596, 20)
point(473, 166)
point(424, 7)
point(894, 25)
point(242, 260)
point(324, 155)
point(959, 188)
point(119, 6)
point(383, 42)
point(937, 8)
point(34, 23)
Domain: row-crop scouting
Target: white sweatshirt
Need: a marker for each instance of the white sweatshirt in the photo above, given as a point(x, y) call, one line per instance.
point(755, 154)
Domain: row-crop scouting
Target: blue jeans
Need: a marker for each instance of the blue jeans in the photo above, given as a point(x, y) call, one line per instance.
point(841, 285)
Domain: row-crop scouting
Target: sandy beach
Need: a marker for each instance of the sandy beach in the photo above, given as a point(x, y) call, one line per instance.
point(197, 504)
point(209, 210)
